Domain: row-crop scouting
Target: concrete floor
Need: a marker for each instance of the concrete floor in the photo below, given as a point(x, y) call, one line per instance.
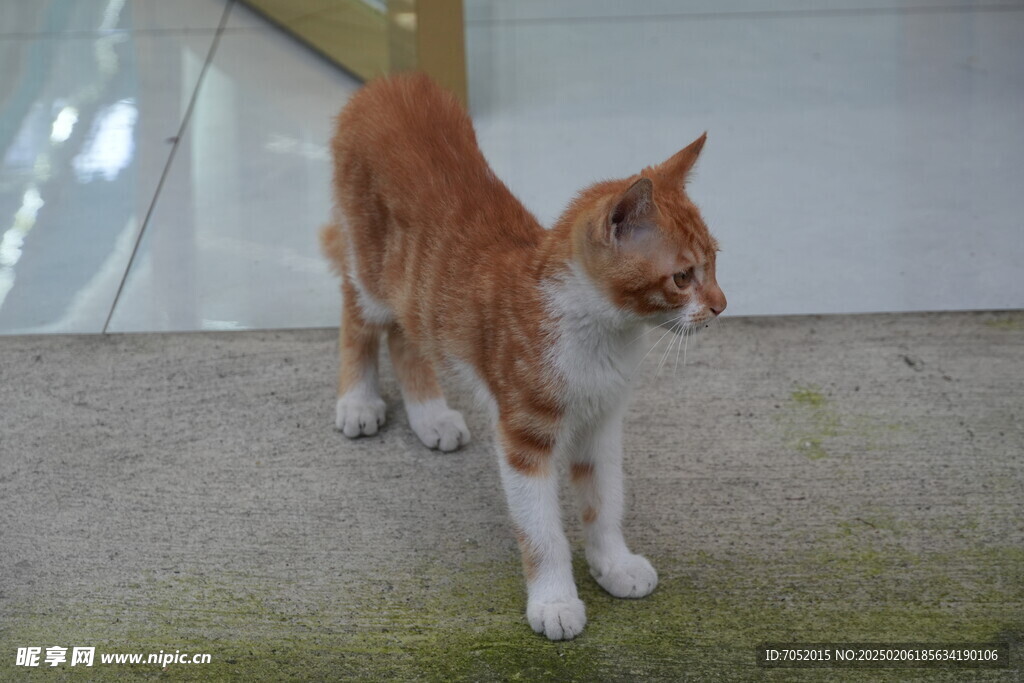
point(847, 478)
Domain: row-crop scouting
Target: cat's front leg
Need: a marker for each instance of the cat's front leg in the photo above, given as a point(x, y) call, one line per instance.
point(596, 474)
point(530, 479)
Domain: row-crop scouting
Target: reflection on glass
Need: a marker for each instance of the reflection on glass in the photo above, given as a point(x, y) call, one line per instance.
point(14, 238)
point(69, 110)
point(63, 125)
point(110, 145)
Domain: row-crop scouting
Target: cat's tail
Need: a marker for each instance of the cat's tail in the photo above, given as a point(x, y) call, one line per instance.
point(332, 244)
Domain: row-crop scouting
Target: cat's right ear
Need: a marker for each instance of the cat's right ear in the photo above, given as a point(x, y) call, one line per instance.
point(679, 166)
point(632, 212)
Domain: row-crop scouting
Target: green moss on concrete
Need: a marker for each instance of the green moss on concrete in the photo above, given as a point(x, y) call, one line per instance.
point(815, 427)
point(426, 620)
point(432, 622)
point(1008, 323)
point(808, 396)
point(808, 422)
point(811, 448)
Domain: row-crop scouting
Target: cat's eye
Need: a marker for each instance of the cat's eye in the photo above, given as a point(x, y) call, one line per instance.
point(683, 278)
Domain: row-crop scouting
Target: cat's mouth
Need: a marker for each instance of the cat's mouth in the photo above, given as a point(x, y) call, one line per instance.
point(691, 326)
point(685, 324)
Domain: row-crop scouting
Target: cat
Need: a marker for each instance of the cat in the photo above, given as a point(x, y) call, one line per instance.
point(436, 254)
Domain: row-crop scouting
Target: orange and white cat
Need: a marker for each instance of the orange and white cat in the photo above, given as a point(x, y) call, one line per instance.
point(436, 254)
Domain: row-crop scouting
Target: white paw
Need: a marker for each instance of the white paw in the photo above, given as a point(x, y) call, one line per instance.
point(437, 425)
point(625, 576)
point(359, 414)
point(562, 620)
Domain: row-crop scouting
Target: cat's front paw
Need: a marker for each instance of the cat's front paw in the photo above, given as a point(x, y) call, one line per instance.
point(437, 425)
point(359, 415)
point(559, 620)
point(625, 576)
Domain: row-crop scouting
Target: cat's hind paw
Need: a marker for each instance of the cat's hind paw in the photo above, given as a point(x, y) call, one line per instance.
point(357, 415)
point(626, 576)
point(562, 620)
point(438, 426)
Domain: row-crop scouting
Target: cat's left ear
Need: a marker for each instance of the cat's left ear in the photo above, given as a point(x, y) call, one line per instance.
point(631, 214)
point(679, 165)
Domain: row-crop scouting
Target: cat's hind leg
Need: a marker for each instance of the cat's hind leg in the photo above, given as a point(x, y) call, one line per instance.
point(437, 425)
point(360, 409)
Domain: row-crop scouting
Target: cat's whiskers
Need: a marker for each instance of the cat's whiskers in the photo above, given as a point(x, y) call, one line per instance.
point(662, 360)
point(677, 327)
point(648, 353)
point(675, 368)
point(685, 344)
point(648, 329)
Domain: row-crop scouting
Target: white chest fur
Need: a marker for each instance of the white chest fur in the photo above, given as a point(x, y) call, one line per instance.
point(596, 345)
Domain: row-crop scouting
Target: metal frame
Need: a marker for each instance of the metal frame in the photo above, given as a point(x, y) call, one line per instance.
point(367, 41)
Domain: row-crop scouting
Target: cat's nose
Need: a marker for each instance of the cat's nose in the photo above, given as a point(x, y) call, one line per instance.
point(717, 303)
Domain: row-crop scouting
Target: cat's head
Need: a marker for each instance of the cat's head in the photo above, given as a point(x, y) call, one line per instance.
point(644, 242)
